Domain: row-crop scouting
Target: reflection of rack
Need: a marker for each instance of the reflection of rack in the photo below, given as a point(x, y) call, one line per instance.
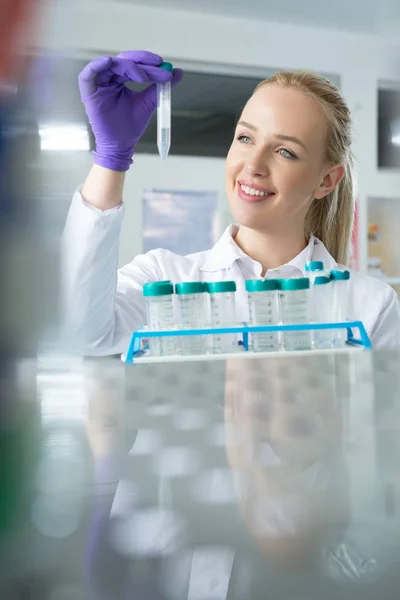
point(136, 352)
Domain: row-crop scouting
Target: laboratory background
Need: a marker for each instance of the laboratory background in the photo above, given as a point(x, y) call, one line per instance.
point(237, 478)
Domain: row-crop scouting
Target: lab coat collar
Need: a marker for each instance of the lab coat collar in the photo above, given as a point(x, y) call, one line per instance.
point(226, 252)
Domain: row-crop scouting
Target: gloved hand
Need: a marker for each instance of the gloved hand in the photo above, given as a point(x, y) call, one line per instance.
point(119, 116)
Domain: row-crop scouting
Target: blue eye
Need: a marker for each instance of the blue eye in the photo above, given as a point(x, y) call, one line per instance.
point(286, 153)
point(242, 139)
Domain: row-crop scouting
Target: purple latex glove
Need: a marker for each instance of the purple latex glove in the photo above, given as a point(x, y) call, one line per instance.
point(119, 116)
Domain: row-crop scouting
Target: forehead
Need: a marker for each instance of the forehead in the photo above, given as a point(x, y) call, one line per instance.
point(286, 110)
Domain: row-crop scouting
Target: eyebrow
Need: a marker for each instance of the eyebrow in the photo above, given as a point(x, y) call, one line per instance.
point(287, 138)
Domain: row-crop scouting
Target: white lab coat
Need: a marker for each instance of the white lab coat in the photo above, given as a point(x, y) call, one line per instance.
point(104, 305)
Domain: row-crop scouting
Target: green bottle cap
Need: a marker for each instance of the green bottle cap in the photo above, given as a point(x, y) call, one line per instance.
point(261, 285)
point(215, 287)
point(296, 283)
point(190, 287)
point(314, 265)
point(167, 66)
point(158, 288)
point(340, 275)
point(321, 280)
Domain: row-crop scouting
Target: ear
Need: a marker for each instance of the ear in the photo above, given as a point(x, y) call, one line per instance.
point(330, 181)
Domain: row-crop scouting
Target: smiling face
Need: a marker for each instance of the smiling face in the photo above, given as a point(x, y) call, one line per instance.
point(276, 164)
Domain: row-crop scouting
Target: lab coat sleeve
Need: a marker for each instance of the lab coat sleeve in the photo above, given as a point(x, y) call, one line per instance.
point(101, 306)
point(386, 331)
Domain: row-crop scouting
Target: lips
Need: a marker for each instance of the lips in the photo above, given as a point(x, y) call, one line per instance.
point(253, 194)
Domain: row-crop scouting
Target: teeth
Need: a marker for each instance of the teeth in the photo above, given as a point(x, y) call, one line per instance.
point(254, 192)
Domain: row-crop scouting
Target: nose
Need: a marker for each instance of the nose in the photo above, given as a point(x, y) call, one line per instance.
point(257, 164)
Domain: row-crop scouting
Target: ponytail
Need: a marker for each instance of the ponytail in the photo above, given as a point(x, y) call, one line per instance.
point(331, 218)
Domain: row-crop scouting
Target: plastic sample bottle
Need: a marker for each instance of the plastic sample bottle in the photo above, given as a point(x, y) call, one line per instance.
point(193, 315)
point(263, 310)
point(223, 314)
point(341, 285)
point(313, 268)
point(322, 312)
point(164, 114)
point(160, 316)
point(294, 305)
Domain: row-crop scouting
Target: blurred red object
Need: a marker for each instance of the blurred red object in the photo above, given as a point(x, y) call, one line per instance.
point(355, 253)
point(17, 17)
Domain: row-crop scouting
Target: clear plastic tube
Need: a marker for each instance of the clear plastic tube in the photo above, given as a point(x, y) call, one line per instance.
point(160, 316)
point(341, 284)
point(313, 269)
point(263, 310)
point(192, 306)
point(295, 310)
point(222, 314)
point(164, 119)
point(322, 312)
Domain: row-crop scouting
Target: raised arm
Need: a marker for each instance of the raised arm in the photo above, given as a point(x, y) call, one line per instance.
point(99, 313)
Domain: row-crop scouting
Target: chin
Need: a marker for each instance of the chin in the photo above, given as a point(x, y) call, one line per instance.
point(252, 219)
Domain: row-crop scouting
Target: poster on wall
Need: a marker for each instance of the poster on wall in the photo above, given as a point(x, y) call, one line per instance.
point(180, 221)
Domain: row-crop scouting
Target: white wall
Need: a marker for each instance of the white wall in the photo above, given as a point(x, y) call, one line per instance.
point(179, 174)
point(91, 27)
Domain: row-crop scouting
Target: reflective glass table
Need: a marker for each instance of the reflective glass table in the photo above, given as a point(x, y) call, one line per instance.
point(246, 479)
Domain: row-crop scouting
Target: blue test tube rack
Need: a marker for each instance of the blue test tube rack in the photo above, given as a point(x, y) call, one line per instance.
point(135, 349)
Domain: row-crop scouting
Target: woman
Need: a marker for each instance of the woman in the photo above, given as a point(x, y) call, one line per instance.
point(290, 185)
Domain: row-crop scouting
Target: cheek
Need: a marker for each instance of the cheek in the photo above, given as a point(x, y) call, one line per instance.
point(297, 182)
point(232, 163)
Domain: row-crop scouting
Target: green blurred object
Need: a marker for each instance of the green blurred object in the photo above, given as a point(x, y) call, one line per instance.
point(19, 450)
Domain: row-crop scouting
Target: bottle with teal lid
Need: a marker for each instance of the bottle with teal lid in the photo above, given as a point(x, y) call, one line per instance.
point(313, 266)
point(322, 311)
point(222, 303)
point(160, 316)
point(191, 296)
point(340, 301)
point(313, 269)
point(294, 306)
point(262, 297)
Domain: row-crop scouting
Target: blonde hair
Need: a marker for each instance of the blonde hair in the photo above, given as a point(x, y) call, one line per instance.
point(331, 218)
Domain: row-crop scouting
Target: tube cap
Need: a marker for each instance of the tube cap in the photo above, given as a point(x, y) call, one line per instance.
point(214, 287)
point(190, 287)
point(296, 283)
point(321, 280)
point(167, 66)
point(340, 275)
point(314, 265)
point(158, 288)
point(261, 285)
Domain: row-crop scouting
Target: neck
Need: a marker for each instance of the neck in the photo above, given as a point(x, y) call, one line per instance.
point(270, 249)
